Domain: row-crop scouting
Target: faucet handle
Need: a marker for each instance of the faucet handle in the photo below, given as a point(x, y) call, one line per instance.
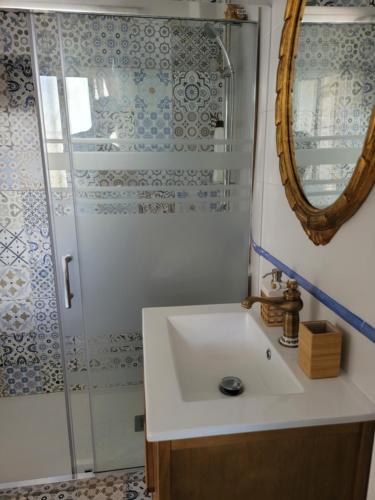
point(292, 284)
point(292, 293)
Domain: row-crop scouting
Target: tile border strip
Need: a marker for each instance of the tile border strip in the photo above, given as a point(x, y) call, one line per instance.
point(355, 321)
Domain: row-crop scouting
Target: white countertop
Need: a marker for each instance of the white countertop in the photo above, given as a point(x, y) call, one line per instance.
point(169, 416)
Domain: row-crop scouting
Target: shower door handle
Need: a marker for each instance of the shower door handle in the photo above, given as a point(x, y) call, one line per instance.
point(67, 292)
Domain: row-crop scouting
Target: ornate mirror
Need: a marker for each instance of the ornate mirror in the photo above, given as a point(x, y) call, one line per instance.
point(325, 113)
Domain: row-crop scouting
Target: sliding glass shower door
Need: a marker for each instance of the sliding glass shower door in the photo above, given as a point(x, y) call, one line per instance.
point(151, 195)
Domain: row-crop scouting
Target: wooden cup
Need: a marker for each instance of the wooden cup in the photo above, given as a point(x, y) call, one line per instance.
point(319, 353)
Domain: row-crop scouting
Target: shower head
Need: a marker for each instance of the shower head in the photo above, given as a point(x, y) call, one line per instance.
point(213, 35)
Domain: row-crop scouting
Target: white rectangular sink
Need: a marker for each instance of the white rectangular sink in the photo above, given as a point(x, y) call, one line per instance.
point(208, 347)
point(188, 350)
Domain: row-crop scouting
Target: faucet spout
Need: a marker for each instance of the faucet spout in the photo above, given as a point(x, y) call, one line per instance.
point(291, 304)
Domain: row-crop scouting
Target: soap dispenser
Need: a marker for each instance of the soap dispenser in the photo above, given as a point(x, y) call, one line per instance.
point(273, 286)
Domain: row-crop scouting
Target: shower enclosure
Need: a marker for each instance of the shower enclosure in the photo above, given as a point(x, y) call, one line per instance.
point(146, 128)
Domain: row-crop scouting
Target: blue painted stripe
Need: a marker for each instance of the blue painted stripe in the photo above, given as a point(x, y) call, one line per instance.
point(344, 313)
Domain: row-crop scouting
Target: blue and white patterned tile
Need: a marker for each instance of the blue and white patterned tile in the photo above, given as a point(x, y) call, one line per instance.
point(192, 50)
point(46, 317)
point(14, 33)
point(13, 246)
point(4, 391)
point(11, 210)
point(24, 129)
point(38, 244)
point(42, 279)
point(48, 347)
point(23, 380)
point(17, 316)
point(20, 85)
point(15, 282)
point(35, 211)
point(113, 41)
point(5, 129)
point(196, 98)
point(19, 349)
point(20, 170)
point(53, 377)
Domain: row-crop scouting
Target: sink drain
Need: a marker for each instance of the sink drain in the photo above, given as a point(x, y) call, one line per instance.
point(231, 386)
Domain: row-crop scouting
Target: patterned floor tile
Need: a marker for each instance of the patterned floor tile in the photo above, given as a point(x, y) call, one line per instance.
point(101, 487)
point(19, 349)
point(136, 487)
point(17, 316)
point(15, 282)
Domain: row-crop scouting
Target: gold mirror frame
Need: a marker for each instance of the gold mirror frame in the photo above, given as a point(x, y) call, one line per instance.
point(319, 224)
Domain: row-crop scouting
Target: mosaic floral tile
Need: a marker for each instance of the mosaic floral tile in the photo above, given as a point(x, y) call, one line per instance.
point(20, 169)
point(38, 244)
point(42, 279)
point(5, 129)
point(4, 388)
point(14, 34)
point(11, 210)
point(103, 487)
point(114, 125)
point(136, 486)
point(24, 129)
point(112, 41)
point(46, 316)
point(23, 380)
point(13, 246)
point(143, 178)
point(20, 85)
point(53, 377)
point(48, 347)
point(35, 211)
point(15, 282)
point(46, 30)
point(197, 97)
point(192, 50)
point(17, 316)
point(19, 349)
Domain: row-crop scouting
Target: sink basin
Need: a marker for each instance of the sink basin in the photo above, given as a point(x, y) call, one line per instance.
point(208, 347)
point(188, 351)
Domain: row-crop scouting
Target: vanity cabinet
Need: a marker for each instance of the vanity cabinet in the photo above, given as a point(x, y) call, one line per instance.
point(314, 463)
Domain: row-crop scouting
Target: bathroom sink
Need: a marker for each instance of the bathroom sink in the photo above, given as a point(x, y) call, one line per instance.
point(189, 350)
point(208, 347)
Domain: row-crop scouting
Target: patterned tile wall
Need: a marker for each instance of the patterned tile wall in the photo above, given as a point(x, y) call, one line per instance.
point(30, 357)
point(147, 79)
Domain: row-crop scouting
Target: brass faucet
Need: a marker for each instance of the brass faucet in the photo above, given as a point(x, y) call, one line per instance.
point(291, 304)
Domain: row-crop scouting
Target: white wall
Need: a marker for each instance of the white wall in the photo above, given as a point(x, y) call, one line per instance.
point(344, 268)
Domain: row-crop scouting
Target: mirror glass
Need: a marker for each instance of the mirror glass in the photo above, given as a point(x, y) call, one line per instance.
point(333, 97)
